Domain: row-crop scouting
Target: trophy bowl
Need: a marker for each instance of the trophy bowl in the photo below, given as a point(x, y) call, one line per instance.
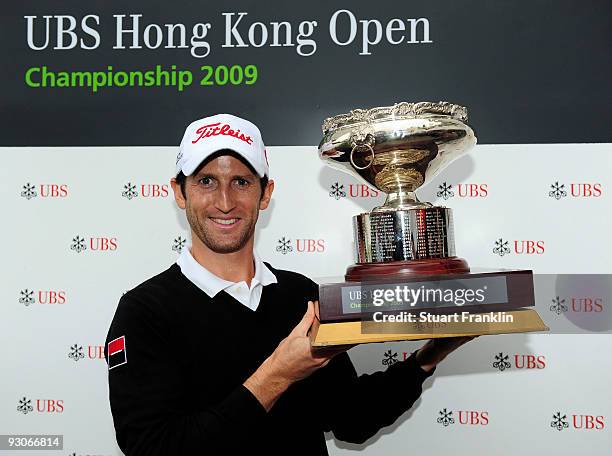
point(396, 149)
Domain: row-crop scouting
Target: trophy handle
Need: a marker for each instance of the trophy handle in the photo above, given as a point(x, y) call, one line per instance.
point(359, 142)
point(355, 164)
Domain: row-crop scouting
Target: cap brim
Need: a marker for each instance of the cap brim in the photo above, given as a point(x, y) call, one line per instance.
point(197, 159)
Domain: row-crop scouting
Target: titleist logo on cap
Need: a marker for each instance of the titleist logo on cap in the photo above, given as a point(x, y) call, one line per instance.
point(206, 131)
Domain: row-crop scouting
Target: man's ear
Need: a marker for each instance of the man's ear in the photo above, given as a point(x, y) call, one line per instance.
point(178, 194)
point(267, 195)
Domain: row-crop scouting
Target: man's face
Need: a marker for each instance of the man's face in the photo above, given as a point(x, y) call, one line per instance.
point(222, 203)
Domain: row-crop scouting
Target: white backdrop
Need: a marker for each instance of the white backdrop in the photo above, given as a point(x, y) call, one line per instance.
point(57, 302)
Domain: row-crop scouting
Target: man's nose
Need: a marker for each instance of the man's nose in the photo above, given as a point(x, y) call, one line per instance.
point(224, 201)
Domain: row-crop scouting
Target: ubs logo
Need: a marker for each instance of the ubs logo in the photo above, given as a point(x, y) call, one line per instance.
point(131, 191)
point(286, 246)
point(390, 358)
point(576, 190)
point(560, 422)
point(519, 361)
point(339, 190)
point(29, 191)
point(464, 417)
point(94, 244)
point(179, 244)
point(26, 406)
point(28, 297)
point(519, 247)
point(76, 352)
point(583, 304)
point(464, 190)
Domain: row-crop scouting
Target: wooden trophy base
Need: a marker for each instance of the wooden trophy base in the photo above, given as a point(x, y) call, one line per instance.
point(397, 269)
point(346, 317)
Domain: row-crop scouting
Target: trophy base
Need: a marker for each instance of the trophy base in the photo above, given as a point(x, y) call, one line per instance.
point(354, 312)
point(352, 332)
point(398, 269)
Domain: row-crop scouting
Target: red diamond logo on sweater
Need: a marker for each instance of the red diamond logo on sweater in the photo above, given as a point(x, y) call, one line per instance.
point(116, 352)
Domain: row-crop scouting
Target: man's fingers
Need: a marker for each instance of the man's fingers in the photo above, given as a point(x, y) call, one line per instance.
point(304, 325)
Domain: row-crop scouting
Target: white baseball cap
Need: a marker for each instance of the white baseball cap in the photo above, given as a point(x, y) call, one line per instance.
point(206, 136)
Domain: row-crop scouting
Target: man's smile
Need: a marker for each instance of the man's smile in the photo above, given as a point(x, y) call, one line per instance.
point(225, 223)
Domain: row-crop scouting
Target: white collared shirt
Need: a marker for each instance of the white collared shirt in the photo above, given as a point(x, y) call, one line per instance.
point(211, 284)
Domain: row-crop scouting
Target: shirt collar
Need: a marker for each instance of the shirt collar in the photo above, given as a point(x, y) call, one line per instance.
point(262, 273)
point(212, 284)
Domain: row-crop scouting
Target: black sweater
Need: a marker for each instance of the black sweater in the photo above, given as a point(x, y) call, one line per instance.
point(180, 390)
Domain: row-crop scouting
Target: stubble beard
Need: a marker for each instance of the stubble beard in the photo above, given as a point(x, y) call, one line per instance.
point(213, 242)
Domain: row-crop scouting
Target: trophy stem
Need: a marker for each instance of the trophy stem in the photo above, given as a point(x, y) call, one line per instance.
point(401, 200)
point(398, 235)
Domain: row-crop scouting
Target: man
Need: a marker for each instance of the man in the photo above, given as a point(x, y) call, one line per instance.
point(219, 357)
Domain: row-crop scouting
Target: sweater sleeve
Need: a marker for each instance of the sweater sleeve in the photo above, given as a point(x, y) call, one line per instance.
point(355, 407)
point(150, 410)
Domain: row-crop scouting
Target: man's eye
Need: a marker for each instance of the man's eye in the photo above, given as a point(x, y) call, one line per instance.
point(205, 181)
point(242, 182)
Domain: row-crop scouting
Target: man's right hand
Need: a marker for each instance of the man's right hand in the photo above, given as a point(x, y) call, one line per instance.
point(292, 360)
